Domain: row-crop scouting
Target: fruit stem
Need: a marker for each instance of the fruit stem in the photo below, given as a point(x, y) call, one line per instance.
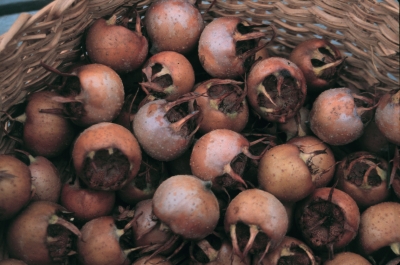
point(54, 70)
point(253, 233)
point(138, 27)
point(318, 71)
point(207, 249)
point(265, 252)
point(246, 152)
point(31, 158)
point(395, 248)
point(112, 20)
point(234, 239)
point(54, 219)
point(184, 98)
point(130, 250)
point(228, 170)
point(177, 126)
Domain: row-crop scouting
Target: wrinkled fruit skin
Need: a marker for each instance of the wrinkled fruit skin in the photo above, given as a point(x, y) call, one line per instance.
point(173, 25)
point(334, 118)
point(116, 46)
point(280, 80)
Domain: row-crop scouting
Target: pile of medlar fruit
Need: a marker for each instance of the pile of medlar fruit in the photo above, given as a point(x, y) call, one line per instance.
point(177, 140)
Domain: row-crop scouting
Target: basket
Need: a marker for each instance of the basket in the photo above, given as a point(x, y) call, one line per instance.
point(367, 31)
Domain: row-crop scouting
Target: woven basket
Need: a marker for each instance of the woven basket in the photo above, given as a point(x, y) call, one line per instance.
point(367, 31)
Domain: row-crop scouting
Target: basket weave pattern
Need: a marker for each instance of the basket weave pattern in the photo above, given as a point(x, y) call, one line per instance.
point(367, 31)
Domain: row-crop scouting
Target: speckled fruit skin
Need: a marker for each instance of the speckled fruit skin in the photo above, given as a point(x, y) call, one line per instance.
point(284, 174)
point(102, 94)
point(214, 150)
point(379, 227)
point(116, 46)
point(153, 131)
point(213, 118)
point(107, 135)
point(271, 66)
point(187, 206)
point(40, 136)
point(302, 55)
point(26, 235)
point(261, 208)
point(323, 165)
point(387, 116)
point(173, 25)
point(273, 257)
point(99, 244)
point(180, 70)
point(334, 118)
point(348, 206)
point(15, 189)
point(216, 40)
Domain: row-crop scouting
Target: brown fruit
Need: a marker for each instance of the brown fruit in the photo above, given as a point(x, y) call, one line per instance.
point(15, 186)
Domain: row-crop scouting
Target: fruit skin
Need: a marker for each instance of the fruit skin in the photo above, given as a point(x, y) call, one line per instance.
point(86, 204)
point(178, 68)
point(28, 232)
point(309, 49)
point(99, 244)
point(379, 227)
point(116, 46)
point(212, 116)
point(284, 174)
point(187, 206)
point(217, 48)
point(107, 135)
point(12, 262)
point(288, 99)
point(155, 133)
point(347, 205)
point(334, 118)
point(15, 186)
point(347, 258)
point(46, 134)
point(387, 116)
point(173, 25)
point(102, 94)
point(260, 208)
point(322, 165)
point(45, 179)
